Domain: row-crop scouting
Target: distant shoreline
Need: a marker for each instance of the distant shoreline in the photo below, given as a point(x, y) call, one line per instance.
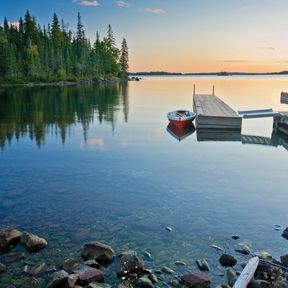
point(221, 74)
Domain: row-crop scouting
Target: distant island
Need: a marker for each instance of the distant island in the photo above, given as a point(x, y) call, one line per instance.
point(33, 53)
point(221, 73)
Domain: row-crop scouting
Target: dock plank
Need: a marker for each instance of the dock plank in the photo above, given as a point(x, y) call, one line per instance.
point(213, 113)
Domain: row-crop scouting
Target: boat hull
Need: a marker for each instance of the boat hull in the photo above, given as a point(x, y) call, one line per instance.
point(180, 124)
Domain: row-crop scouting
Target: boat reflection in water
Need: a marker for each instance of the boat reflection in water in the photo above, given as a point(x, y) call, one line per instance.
point(182, 133)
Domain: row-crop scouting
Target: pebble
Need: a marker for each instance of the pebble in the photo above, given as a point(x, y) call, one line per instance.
point(180, 263)
point(202, 264)
point(143, 282)
point(167, 270)
point(231, 276)
point(242, 248)
point(169, 229)
point(227, 260)
point(235, 237)
point(218, 248)
point(147, 254)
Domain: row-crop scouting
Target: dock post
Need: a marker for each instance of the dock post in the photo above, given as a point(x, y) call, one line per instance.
point(213, 91)
point(193, 89)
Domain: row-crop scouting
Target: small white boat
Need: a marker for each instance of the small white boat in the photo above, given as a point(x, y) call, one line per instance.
point(181, 118)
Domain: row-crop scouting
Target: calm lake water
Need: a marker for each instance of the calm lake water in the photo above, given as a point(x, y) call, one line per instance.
point(82, 163)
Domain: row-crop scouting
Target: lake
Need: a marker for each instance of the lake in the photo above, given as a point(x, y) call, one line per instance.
point(84, 163)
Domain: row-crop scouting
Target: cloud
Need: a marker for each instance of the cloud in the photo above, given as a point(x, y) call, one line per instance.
point(157, 11)
point(94, 144)
point(87, 3)
point(123, 4)
point(14, 24)
point(234, 61)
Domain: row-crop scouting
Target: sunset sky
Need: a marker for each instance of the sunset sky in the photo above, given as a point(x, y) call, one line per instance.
point(179, 35)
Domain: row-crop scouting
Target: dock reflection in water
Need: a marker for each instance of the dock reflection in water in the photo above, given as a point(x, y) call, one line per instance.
point(180, 134)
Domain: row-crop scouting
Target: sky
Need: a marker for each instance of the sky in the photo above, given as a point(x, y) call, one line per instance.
point(178, 35)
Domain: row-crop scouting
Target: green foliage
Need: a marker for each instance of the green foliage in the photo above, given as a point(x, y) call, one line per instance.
point(34, 53)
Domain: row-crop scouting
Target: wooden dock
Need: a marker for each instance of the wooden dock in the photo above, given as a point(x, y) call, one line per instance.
point(213, 113)
point(281, 123)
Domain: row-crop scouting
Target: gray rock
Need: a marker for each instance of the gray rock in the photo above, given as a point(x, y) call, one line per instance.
point(130, 263)
point(263, 255)
point(100, 252)
point(32, 243)
point(71, 280)
point(242, 248)
point(101, 285)
point(88, 274)
point(259, 284)
point(68, 264)
point(147, 254)
point(169, 229)
point(280, 284)
point(167, 270)
point(285, 234)
point(231, 276)
point(202, 264)
point(196, 280)
point(153, 278)
point(9, 238)
point(284, 260)
point(143, 282)
point(227, 260)
point(175, 283)
point(180, 263)
point(2, 267)
point(243, 263)
point(59, 279)
point(216, 247)
point(37, 269)
point(92, 263)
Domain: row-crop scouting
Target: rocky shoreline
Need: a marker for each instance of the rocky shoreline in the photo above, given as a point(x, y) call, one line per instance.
point(87, 270)
point(112, 80)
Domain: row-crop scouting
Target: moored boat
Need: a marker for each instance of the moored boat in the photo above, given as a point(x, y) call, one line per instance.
point(181, 118)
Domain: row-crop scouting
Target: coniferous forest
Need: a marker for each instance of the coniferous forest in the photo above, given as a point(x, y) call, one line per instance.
point(31, 52)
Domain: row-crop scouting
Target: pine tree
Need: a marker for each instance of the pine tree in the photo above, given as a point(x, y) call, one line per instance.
point(124, 66)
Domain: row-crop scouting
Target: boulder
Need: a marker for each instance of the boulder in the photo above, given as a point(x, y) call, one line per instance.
point(100, 252)
point(280, 284)
point(9, 238)
point(88, 274)
point(259, 284)
point(32, 243)
point(130, 263)
point(71, 280)
point(227, 260)
point(143, 282)
point(196, 280)
point(2, 268)
point(285, 234)
point(59, 279)
point(284, 260)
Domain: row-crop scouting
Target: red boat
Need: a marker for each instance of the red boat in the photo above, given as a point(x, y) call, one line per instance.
point(181, 118)
point(180, 134)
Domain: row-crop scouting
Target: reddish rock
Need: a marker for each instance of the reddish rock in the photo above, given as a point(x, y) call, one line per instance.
point(9, 238)
point(130, 263)
point(196, 280)
point(100, 252)
point(88, 274)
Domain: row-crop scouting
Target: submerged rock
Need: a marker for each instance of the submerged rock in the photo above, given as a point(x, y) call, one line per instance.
point(280, 284)
point(235, 237)
point(9, 238)
point(169, 229)
point(231, 276)
point(202, 264)
point(180, 263)
point(59, 279)
point(130, 263)
point(153, 278)
point(167, 270)
point(14, 256)
point(102, 253)
point(2, 267)
point(259, 284)
point(227, 260)
point(285, 234)
point(143, 282)
point(102, 285)
point(92, 263)
point(284, 260)
point(242, 248)
point(88, 274)
point(68, 264)
point(71, 280)
point(216, 247)
point(32, 242)
point(196, 280)
point(263, 255)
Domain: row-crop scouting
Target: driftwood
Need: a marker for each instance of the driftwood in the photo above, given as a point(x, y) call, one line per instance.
point(247, 273)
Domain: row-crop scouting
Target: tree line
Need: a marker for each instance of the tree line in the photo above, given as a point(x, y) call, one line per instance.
point(30, 52)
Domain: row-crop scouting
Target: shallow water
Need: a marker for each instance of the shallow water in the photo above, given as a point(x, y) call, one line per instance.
point(96, 162)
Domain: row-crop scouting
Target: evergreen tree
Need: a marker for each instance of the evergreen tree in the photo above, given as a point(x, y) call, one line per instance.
point(124, 66)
